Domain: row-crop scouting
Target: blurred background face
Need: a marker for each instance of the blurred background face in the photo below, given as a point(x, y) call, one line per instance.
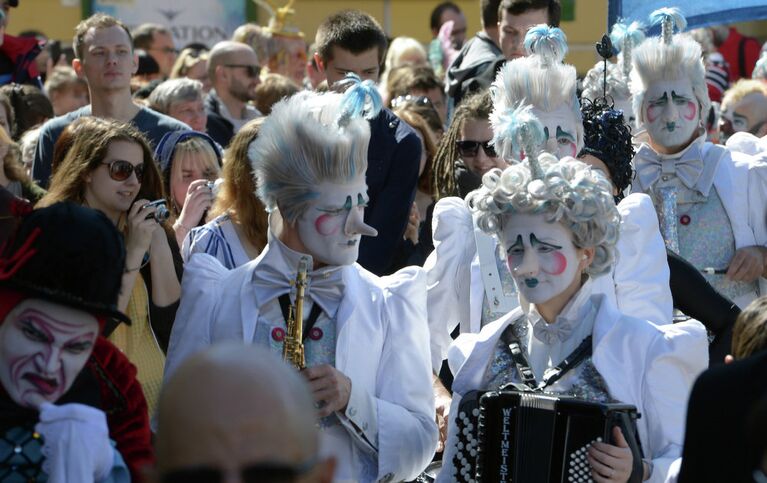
point(190, 112)
point(366, 65)
point(163, 50)
point(512, 30)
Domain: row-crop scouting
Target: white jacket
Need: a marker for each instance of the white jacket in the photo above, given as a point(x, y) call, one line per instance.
point(382, 346)
point(639, 283)
point(651, 367)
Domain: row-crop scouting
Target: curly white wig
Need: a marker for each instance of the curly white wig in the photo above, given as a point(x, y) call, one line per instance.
point(569, 192)
point(308, 139)
point(668, 58)
point(540, 79)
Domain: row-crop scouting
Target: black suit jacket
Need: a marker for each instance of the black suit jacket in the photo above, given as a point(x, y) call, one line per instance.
point(218, 127)
point(717, 444)
point(394, 155)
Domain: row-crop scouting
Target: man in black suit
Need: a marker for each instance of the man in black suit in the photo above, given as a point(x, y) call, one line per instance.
point(352, 41)
point(719, 444)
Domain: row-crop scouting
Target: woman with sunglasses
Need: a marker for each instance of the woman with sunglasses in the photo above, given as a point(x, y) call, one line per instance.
point(465, 153)
point(110, 168)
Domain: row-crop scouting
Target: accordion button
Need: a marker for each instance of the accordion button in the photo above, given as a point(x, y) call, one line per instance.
point(473, 453)
point(475, 412)
point(459, 446)
point(470, 426)
point(462, 415)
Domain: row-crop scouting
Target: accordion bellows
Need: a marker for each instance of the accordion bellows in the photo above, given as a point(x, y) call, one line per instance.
point(513, 436)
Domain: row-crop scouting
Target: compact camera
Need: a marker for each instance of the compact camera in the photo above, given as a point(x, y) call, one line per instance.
point(161, 214)
point(215, 186)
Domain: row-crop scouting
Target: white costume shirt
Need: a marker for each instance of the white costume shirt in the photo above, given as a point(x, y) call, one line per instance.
point(639, 282)
point(741, 184)
point(219, 239)
point(389, 432)
point(657, 379)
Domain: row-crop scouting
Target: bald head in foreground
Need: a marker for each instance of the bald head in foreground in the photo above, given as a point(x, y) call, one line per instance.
point(237, 413)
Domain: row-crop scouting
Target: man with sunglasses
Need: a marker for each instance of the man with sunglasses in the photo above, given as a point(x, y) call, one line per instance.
point(269, 432)
point(233, 70)
point(104, 56)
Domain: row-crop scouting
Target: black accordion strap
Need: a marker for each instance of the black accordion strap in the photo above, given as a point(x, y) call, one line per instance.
point(314, 314)
point(551, 375)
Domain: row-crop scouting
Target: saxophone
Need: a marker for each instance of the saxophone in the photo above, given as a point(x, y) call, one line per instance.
point(293, 346)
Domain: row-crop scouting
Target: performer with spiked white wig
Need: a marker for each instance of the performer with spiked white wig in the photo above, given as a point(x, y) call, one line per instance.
point(541, 79)
point(711, 201)
point(558, 225)
point(364, 337)
point(624, 37)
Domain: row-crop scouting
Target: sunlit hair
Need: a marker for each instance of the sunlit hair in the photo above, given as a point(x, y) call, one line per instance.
point(13, 168)
point(668, 58)
point(187, 59)
point(400, 51)
point(476, 107)
point(237, 195)
point(570, 193)
point(96, 21)
point(749, 335)
point(191, 153)
point(309, 139)
point(743, 87)
point(411, 116)
point(88, 150)
point(172, 91)
point(617, 84)
point(540, 79)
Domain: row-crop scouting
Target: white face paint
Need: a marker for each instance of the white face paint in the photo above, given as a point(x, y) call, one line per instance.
point(560, 127)
point(43, 347)
point(671, 113)
point(628, 111)
point(540, 255)
point(332, 225)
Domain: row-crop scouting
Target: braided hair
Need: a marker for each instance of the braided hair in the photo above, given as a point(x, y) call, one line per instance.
point(476, 106)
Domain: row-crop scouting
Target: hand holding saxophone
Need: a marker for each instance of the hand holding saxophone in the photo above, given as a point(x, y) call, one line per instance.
point(330, 387)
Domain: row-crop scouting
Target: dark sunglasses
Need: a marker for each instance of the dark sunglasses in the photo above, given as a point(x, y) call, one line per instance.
point(250, 70)
point(410, 100)
point(470, 149)
point(120, 170)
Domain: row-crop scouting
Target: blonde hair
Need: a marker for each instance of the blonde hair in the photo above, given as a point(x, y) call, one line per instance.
point(750, 332)
point(741, 89)
point(181, 156)
point(187, 59)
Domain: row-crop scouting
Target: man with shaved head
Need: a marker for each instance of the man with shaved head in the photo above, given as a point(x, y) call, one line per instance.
point(237, 413)
point(233, 70)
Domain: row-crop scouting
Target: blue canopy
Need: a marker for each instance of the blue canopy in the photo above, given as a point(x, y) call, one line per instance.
point(699, 13)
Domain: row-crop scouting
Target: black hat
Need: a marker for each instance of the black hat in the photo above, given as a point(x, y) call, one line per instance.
point(67, 254)
point(12, 3)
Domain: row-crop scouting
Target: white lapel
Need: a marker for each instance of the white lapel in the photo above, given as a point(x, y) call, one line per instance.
point(733, 193)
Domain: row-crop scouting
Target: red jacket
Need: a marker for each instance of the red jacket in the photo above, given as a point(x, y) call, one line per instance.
point(741, 53)
point(22, 51)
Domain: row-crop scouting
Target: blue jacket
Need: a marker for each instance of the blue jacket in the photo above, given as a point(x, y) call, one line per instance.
point(394, 156)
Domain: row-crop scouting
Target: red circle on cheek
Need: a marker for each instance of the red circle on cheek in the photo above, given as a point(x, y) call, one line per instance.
point(559, 264)
point(690, 111)
point(652, 114)
point(325, 225)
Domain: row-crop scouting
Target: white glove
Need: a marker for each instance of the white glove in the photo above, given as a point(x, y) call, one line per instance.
point(75, 443)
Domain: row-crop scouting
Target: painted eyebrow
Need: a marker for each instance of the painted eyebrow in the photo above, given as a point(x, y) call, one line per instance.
point(535, 241)
point(663, 98)
point(674, 95)
point(564, 134)
point(518, 242)
point(546, 132)
point(347, 206)
point(361, 200)
point(739, 117)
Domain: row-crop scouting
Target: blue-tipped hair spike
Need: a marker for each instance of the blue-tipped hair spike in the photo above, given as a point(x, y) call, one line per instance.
point(549, 43)
point(517, 130)
point(361, 99)
point(668, 18)
point(626, 36)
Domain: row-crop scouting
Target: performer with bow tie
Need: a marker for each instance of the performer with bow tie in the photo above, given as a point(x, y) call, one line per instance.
point(711, 201)
point(558, 225)
point(365, 338)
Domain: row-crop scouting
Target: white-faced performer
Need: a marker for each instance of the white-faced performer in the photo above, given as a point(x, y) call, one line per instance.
point(468, 283)
point(711, 202)
point(557, 223)
point(366, 339)
point(624, 37)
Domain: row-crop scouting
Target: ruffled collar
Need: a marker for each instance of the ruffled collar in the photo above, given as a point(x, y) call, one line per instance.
point(573, 314)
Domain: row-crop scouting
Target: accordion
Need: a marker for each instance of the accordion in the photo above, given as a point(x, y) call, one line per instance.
point(532, 437)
